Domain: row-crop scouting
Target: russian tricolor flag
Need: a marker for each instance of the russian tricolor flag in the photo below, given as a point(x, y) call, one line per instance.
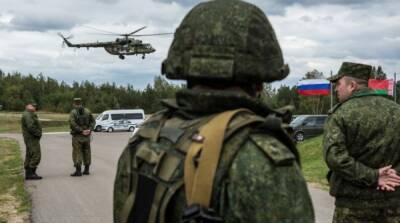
point(310, 87)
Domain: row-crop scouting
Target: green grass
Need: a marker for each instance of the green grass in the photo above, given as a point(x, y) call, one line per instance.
point(13, 195)
point(51, 122)
point(313, 164)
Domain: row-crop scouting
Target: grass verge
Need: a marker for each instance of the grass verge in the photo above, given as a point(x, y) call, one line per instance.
point(15, 204)
point(313, 164)
point(51, 122)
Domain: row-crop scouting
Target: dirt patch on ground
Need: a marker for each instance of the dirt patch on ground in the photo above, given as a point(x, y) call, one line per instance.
point(9, 210)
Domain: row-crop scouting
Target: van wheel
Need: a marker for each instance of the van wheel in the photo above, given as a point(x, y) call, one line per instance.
point(131, 129)
point(98, 128)
point(299, 136)
point(110, 129)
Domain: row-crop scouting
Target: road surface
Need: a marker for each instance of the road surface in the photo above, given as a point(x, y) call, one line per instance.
point(64, 199)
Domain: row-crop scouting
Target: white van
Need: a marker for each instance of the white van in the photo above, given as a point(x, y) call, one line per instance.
point(119, 120)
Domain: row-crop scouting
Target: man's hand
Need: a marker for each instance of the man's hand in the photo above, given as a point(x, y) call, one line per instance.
point(388, 179)
point(86, 132)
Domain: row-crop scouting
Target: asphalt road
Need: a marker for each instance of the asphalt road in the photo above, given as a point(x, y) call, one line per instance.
point(59, 198)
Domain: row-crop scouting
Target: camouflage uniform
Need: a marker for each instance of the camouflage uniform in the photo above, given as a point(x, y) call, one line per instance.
point(361, 136)
point(258, 178)
point(81, 119)
point(32, 132)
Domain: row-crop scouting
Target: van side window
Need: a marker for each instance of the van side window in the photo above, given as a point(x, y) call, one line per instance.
point(117, 116)
point(134, 116)
point(105, 117)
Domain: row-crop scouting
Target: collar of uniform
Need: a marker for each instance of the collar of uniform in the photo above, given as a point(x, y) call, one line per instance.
point(363, 92)
point(357, 94)
point(202, 102)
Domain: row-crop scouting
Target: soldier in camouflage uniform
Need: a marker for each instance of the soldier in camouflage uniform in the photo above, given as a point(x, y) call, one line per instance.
point(361, 148)
point(225, 50)
point(81, 122)
point(32, 132)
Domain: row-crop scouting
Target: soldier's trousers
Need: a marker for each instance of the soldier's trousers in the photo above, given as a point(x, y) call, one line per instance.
point(32, 154)
point(366, 215)
point(81, 150)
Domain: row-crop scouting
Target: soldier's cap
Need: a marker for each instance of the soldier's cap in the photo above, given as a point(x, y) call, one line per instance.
point(356, 70)
point(78, 100)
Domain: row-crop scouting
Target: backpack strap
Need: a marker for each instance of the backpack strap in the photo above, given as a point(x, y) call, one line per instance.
point(207, 147)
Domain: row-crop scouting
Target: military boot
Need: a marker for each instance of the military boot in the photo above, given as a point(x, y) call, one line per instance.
point(27, 173)
point(31, 175)
point(34, 175)
point(77, 173)
point(86, 170)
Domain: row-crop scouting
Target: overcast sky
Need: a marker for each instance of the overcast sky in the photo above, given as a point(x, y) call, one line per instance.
point(314, 34)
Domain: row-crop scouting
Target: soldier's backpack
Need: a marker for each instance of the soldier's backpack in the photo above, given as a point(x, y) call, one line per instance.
point(170, 153)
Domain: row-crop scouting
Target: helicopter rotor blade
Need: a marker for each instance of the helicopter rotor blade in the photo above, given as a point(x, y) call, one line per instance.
point(101, 30)
point(137, 30)
point(154, 34)
point(106, 34)
point(60, 35)
point(65, 38)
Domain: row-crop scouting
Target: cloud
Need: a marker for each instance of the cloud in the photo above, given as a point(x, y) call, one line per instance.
point(313, 35)
point(108, 1)
point(274, 7)
point(323, 36)
point(41, 23)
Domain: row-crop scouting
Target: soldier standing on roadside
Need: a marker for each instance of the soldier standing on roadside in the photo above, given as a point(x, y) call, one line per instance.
point(32, 132)
point(362, 150)
point(81, 123)
point(216, 153)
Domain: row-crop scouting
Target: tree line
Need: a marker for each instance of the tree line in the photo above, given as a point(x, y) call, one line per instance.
point(54, 96)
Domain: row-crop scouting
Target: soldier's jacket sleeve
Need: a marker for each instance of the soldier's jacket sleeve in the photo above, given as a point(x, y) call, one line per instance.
point(73, 124)
point(338, 158)
point(91, 121)
point(32, 124)
point(266, 185)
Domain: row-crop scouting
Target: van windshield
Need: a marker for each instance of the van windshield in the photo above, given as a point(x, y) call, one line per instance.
point(99, 117)
point(298, 120)
point(105, 117)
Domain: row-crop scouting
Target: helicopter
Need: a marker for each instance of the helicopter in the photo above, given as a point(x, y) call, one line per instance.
point(127, 45)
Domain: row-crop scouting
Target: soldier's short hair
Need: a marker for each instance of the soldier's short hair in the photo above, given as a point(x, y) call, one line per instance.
point(362, 83)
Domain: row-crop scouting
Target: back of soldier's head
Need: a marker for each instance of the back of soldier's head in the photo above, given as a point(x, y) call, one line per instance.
point(225, 41)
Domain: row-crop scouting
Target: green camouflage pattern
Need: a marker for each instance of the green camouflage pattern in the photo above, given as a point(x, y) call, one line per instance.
point(361, 136)
point(32, 132)
point(366, 215)
point(79, 121)
point(257, 179)
point(81, 152)
point(227, 41)
point(356, 70)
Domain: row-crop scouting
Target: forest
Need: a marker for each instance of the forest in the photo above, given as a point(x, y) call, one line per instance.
point(54, 96)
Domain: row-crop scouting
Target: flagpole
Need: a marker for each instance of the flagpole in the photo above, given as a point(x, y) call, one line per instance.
point(331, 92)
point(394, 87)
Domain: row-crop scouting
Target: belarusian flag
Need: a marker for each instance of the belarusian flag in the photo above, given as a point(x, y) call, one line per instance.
point(381, 86)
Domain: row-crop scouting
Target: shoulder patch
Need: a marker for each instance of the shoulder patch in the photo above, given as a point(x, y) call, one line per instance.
point(273, 148)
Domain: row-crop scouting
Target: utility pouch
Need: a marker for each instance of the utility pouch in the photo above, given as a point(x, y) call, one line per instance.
point(197, 214)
